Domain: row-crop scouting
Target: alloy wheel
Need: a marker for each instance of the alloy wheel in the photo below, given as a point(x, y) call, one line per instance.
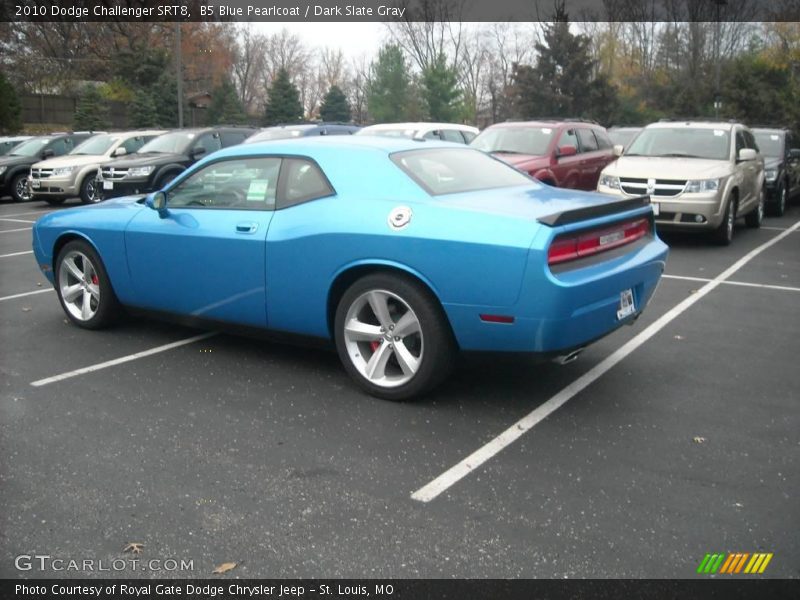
point(79, 286)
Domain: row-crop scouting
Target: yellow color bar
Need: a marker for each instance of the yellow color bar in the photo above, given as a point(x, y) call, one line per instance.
point(754, 562)
point(765, 563)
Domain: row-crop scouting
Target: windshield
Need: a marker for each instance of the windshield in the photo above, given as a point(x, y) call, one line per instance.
point(169, 143)
point(769, 143)
point(31, 147)
point(281, 133)
point(454, 170)
point(98, 144)
point(682, 142)
point(515, 140)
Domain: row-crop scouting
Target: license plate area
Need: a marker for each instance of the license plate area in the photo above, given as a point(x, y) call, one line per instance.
point(656, 208)
point(35, 184)
point(108, 185)
point(626, 306)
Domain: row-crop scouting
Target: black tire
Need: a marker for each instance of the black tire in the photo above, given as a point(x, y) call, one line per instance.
point(104, 307)
point(165, 179)
point(754, 218)
point(19, 188)
point(53, 201)
point(778, 207)
point(723, 235)
point(88, 190)
point(433, 347)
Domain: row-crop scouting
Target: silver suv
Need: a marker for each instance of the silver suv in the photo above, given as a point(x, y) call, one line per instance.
point(699, 175)
point(56, 179)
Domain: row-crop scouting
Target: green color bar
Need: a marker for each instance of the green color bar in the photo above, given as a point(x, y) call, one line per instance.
point(714, 558)
point(718, 563)
point(703, 564)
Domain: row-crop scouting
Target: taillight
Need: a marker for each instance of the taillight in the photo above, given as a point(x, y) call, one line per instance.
point(572, 246)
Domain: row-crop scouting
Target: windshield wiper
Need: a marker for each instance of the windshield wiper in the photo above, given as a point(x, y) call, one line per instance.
point(505, 152)
point(677, 155)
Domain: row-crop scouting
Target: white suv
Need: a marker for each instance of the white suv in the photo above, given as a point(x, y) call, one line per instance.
point(56, 179)
point(699, 175)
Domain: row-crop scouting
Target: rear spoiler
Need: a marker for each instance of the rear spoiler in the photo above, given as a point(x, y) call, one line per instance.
point(591, 212)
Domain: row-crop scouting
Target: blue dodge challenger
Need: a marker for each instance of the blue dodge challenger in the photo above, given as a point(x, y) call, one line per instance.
point(402, 252)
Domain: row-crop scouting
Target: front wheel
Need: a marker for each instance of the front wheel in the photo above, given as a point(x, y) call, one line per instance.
point(19, 188)
point(723, 234)
point(756, 216)
point(88, 192)
point(393, 337)
point(780, 202)
point(84, 288)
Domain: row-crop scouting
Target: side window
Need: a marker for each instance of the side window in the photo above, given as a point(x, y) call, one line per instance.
point(209, 141)
point(60, 147)
point(603, 141)
point(568, 138)
point(131, 145)
point(301, 181)
point(750, 141)
point(740, 143)
point(588, 141)
point(433, 135)
point(468, 136)
point(242, 184)
point(232, 138)
point(452, 135)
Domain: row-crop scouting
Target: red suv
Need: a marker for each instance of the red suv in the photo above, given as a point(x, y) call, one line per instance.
point(568, 153)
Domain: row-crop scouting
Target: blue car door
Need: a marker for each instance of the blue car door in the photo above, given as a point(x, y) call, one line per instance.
point(204, 255)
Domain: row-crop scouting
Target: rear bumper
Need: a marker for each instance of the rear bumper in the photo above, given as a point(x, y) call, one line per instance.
point(557, 314)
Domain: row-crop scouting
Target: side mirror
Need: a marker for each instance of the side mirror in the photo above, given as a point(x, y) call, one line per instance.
point(199, 151)
point(794, 153)
point(120, 151)
point(618, 149)
point(48, 153)
point(157, 201)
point(747, 154)
point(562, 151)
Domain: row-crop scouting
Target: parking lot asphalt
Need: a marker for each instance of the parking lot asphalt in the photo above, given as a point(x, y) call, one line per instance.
point(230, 449)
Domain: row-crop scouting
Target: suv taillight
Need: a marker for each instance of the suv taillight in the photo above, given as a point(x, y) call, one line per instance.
point(575, 245)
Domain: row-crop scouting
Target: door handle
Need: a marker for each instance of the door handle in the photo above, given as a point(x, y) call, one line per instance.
point(246, 227)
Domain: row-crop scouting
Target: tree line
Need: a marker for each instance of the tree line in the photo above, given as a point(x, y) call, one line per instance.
point(616, 72)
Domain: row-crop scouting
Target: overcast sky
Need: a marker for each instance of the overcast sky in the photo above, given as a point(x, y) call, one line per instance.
point(354, 39)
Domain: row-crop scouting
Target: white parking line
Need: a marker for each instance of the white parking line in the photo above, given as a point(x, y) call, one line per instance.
point(454, 474)
point(26, 294)
point(17, 220)
point(122, 359)
point(33, 212)
point(13, 230)
point(774, 228)
point(741, 283)
point(16, 254)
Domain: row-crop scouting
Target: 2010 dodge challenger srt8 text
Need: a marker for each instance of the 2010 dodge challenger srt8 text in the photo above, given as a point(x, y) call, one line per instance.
point(402, 252)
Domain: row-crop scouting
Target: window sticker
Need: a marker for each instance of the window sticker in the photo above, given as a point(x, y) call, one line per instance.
point(719, 132)
point(774, 137)
point(257, 192)
point(547, 131)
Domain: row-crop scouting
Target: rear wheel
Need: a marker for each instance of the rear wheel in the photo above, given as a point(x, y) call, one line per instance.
point(723, 234)
point(164, 180)
point(84, 288)
point(756, 216)
point(779, 207)
point(393, 337)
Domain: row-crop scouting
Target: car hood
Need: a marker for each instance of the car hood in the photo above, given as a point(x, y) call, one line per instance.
point(68, 160)
point(529, 202)
point(10, 161)
point(646, 167)
point(523, 161)
point(143, 160)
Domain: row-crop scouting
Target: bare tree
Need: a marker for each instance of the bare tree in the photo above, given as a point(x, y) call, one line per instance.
point(429, 28)
point(249, 67)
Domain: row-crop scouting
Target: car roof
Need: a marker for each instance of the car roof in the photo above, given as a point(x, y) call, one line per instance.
point(545, 123)
point(694, 125)
point(417, 126)
point(309, 145)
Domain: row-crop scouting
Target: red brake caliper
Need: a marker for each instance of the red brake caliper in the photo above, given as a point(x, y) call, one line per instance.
point(374, 346)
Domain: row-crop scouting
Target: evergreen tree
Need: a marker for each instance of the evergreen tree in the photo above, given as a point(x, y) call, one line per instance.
point(283, 101)
point(10, 107)
point(388, 90)
point(165, 97)
point(91, 112)
point(335, 106)
point(562, 84)
point(225, 107)
point(440, 91)
point(142, 110)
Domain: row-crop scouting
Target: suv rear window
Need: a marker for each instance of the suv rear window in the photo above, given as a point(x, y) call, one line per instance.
point(453, 170)
point(514, 140)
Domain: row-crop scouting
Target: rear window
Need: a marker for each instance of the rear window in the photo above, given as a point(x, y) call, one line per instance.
point(453, 170)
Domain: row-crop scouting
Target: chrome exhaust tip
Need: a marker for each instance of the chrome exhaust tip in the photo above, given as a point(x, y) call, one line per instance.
point(568, 358)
